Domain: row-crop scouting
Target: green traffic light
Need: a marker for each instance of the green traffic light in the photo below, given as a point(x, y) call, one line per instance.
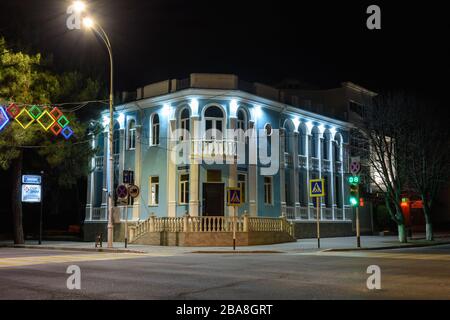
point(353, 201)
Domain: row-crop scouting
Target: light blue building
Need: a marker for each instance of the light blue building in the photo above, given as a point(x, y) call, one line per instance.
point(301, 145)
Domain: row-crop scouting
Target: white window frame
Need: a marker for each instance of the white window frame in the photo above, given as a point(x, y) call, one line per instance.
point(183, 124)
point(183, 185)
point(150, 191)
point(242, 187)
point(268, 193)
point(152, 126)
point(131, 134)
point(214, 122)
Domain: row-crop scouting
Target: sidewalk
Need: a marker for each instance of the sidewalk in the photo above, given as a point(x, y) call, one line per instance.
point(302, 245)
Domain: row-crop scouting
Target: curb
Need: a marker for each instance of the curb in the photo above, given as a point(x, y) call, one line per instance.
point(406, 246)
point(237, 251)
point(106, 250)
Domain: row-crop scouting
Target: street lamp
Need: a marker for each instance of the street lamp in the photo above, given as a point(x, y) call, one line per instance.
point(76, 9)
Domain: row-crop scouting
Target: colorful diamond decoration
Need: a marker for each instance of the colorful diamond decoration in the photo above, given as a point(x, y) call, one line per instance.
point(45, 120)
point(56, 129)
point(63, 122)
point(24, 118)
point(67, 132)
point(13, 110)
point(35, 111)
point(56, 113)
point(4, 119)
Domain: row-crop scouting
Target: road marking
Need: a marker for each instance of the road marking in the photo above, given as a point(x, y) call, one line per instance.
point(382, 255)
point(35, 260)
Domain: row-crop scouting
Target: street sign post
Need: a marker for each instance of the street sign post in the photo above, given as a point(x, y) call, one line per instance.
point(32, 193)
point(355, 200)
point(122, 191)
point(317, 190)
point(234, 200)
point(133, 191)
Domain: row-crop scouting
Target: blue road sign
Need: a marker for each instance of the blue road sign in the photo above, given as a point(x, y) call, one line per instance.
point(234, 197)
point(316, 188)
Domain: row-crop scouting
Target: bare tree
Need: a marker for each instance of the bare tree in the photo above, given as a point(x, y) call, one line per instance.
point(386, 128)
point(428, 155)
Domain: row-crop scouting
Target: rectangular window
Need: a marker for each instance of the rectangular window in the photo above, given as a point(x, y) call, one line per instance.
point(267, 190)
point(184, 189)
point(132, 139)
point(155, 134)
point(242, 183)
point(154, 191)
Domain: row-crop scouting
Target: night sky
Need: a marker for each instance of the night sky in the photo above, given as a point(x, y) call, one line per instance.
point(318, 42)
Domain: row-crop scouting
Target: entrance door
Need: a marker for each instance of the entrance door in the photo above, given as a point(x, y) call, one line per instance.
point(213, 199)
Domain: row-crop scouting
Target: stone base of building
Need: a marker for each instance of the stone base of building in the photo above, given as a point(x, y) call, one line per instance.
point(90, 231)
point(213, 239)
point(328, 229)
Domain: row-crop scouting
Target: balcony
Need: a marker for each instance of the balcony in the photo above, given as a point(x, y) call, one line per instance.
point(314, 164)
point(338, 166)
point(302, 162)
point(99, 163)
point(288, 160)
point(326, 165)
point(214, 148)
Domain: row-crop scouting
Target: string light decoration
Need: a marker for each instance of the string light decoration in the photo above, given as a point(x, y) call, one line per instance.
point(53, 120)
point(4, 119)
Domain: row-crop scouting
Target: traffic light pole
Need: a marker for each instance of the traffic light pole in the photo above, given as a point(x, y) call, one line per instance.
point(358, 237)
point(318, 221)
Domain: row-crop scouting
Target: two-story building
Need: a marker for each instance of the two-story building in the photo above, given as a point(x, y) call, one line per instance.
point(179, 139)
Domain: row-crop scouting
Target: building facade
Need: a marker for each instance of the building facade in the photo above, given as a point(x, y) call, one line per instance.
point(186, 141)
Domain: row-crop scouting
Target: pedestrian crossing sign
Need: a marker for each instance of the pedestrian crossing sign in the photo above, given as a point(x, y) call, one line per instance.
point(234, 197)
point(316, 188)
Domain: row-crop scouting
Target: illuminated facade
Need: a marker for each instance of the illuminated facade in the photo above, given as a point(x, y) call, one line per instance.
point(309, 146)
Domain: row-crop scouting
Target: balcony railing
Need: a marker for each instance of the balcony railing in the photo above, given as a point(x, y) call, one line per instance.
point(302, 162)
point(99, 214)
point(212, 148)
point(116, 160)
point(314, 164)
point(288, 160)
point(99, 163)
point(338, 167)
point(326, 167)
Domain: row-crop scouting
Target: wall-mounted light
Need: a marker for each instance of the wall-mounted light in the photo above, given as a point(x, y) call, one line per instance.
point(194, 106)
point(321, 128)
point(105, 121)
point(296, 122)
point(167, 110)
point(121, 120)
point(233, 108)
point(257, 111)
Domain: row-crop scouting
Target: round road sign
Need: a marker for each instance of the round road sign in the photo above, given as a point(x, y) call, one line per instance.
point(133, 191)
point(122, 191)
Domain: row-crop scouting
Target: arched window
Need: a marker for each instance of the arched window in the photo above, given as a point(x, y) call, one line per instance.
point(185, 124)
point(131, 134)
point(325, 146)
point(214, 123)
point(302, 141)
point(268, 131)
point(314, 145)
point(241, 124)
point(242, 120)
point(154, 125)
point(337, 148)
point(116, 138)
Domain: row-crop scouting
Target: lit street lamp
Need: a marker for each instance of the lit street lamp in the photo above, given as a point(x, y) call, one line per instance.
point(73, 22)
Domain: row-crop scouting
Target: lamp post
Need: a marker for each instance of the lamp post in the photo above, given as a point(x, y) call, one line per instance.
point(74, 22)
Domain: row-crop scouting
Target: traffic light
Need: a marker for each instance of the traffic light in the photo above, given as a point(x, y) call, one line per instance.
point(354, 195)
point(354, 190)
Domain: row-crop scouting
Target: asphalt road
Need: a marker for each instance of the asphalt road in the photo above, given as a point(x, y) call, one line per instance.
point(405, 274)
